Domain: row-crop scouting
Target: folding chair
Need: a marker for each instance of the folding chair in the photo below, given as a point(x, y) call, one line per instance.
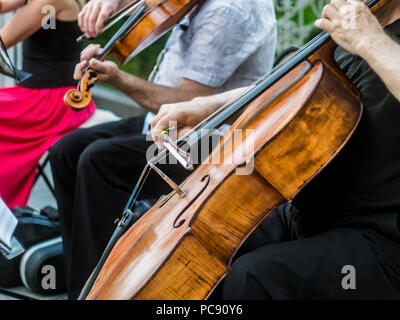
point(42, 174)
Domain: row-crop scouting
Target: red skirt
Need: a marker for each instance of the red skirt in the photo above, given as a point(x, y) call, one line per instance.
point(31, 121)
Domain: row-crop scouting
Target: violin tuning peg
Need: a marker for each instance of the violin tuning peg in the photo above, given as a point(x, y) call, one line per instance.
point(92, 74)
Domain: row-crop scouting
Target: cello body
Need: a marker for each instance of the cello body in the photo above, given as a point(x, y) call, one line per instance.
point(183, 247)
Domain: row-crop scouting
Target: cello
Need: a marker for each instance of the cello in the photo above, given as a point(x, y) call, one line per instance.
point(294, 123)
point(150, 20)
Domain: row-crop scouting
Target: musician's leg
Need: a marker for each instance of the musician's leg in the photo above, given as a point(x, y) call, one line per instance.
point(64, 157)
point(315, 268)
point(65, 154)
point(277, 227)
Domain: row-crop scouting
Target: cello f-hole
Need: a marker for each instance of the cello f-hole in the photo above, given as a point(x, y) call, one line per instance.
point(177, 223)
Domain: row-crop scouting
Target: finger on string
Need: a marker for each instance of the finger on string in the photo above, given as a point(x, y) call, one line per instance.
point(79, 70)
point(98, 66)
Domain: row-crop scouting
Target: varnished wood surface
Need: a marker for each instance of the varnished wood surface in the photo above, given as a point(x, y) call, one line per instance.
point(161, 17)
point(183, 249)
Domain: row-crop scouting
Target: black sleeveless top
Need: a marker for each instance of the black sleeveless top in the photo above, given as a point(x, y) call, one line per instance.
point(51, 55)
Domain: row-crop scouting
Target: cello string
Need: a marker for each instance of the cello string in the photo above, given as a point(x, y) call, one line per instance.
point(317, 38)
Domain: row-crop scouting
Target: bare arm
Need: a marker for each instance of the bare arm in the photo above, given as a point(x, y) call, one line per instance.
point(26, 21)
point(353, 27)
point(383, 55)
point(188, 114)
point(154, 97)
point(96, 12)
point(10, 5)
point(149, 95)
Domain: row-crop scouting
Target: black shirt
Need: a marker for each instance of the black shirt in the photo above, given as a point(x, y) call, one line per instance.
point(362, 184)
point(51, 55)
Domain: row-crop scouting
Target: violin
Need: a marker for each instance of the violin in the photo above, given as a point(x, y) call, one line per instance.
point(295, 121)
point(149, 20)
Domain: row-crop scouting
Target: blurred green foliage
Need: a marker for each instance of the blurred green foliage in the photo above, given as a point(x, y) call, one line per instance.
point(309, 15)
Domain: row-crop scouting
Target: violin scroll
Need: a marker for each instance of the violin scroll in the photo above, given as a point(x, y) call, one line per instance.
point(78, 99)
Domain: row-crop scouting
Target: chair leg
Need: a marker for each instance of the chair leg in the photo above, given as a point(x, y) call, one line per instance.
point(42, 174)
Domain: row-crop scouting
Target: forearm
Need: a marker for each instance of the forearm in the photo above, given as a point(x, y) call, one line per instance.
point(214, 102)
point(10, 5)
point(26, 21)
point(149, 95)
point(383, 56)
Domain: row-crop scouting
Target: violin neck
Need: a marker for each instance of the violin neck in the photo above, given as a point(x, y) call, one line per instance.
point(133, 19)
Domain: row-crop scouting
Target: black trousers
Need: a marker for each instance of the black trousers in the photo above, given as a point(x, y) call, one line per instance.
point(95, 171)
point(276, 263)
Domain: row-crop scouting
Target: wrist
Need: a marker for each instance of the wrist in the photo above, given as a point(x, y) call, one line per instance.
point(125, 82)
point(370, 44)
point(115, 79)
